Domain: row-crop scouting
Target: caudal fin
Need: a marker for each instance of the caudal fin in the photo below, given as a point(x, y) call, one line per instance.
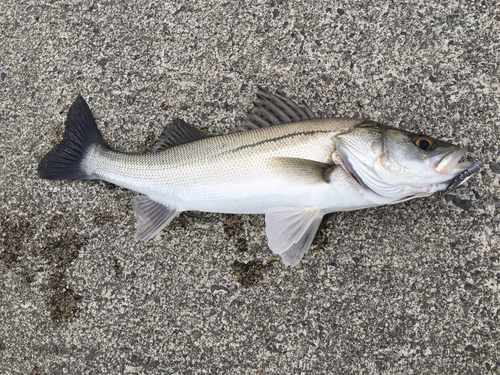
point(64, 162)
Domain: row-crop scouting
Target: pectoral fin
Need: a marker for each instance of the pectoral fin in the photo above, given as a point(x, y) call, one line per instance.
point(291, 230)
point(301, 171)
point(151, 217)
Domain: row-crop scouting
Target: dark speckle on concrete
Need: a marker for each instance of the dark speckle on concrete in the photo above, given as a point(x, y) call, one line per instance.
point(495, 167)
point(476, 194)
point(195, 334)
point(130, 99)
point(470, 349)
point(3, 76)
point(464, 204)
point(302, 353)
point(117, 268)
point(103, 62)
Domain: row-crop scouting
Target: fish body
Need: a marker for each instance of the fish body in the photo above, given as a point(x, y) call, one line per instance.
point(243, 172)
point(285, 163)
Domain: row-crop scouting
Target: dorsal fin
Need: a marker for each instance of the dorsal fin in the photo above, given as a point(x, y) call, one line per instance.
point(177, 133)
point(275, 109)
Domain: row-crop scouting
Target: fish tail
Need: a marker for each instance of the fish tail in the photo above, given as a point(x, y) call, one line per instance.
point(64, 161)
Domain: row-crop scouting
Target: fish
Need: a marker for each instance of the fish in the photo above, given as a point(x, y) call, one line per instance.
point(283, 161)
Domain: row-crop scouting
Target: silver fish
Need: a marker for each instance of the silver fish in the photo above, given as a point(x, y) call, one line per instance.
point(284, 163)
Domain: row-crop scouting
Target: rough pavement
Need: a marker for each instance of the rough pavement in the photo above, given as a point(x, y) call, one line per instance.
point(405, 289)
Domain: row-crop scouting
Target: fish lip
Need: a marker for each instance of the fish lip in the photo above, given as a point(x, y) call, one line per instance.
point(449, 162)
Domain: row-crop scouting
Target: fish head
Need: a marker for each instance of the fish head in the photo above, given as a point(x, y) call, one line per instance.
point(398, 164)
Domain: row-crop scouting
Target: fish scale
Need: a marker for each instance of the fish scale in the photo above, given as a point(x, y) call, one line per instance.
point(220, 169)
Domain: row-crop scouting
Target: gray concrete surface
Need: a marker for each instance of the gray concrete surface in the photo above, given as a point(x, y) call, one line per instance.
point(406, 289)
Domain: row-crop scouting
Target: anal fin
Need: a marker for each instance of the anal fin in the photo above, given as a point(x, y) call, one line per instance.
point(151, 217)
point(291, 230)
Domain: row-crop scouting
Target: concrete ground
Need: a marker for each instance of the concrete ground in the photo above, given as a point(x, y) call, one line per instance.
point(405, 289)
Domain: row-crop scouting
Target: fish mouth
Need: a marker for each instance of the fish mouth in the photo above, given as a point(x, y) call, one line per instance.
point(458, 172)
point(463, 176)
point(449, 162)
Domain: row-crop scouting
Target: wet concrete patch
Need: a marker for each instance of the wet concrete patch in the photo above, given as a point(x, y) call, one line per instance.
point(321, 239)
point(14, 234)
point(63, 303)
point(233, 225)
point(102, 218)
point(59, 254)
point(147, 144)
point(117, 268)
point(250, 274)
point(241, 245)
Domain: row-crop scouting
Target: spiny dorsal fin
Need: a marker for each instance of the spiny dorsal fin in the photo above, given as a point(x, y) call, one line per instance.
point(291, 230)
point(151, 217)
point(177, 133)
point(275, 109)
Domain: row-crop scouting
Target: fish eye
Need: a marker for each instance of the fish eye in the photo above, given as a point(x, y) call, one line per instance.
point(423, 141)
